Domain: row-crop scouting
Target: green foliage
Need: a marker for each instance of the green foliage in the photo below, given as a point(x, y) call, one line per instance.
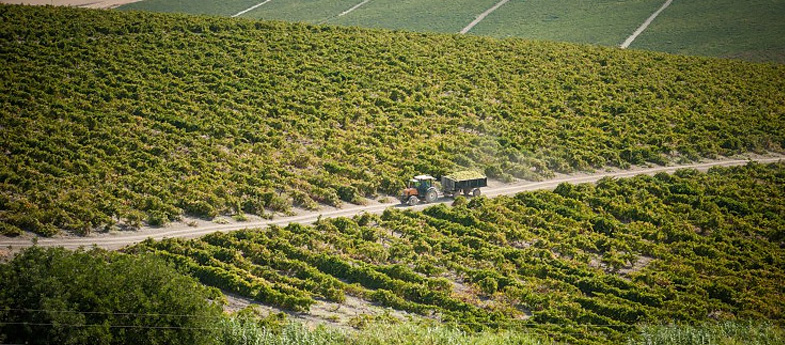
point(240, 332)
point(750, 30)
point(139, 118)
point(586, 264)
point(723, 333)
point(718, 31)
point(54, 296)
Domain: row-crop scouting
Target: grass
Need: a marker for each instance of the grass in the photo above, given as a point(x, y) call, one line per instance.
point(448, 16)
point(238, 332)
point(606, 22)
point(222, 8)
point(241, 332)
point(724, 333)
point(751, 30)
point(301, 10)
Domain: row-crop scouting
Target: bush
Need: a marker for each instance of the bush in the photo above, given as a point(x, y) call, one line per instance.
point(55, 296)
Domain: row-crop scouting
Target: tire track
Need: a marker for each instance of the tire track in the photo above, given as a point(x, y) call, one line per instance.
point(645, 25)
point(121, 240)
point(249, 9)
point(482, 16)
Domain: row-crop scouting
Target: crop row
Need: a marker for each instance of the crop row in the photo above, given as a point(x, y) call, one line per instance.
point(585, 263)
point(139, 118)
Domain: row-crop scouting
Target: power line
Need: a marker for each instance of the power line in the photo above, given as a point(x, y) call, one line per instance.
point(101, 325)
point(109, 313)
point(522, 323)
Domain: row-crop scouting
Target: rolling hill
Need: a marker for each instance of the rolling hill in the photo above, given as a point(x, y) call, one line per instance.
point(139, 118)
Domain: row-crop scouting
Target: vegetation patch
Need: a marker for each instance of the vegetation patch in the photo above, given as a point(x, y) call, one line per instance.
point(751, 30)
point(55, 296)
point(558, 263)
point(113, 117)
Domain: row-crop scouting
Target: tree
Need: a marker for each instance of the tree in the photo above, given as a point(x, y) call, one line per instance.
point(56, 296)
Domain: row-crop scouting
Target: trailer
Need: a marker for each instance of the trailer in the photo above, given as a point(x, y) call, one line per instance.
point(422, 187)
point(464, 182)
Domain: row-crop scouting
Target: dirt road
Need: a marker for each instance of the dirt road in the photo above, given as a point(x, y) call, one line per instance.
point(645, 25)
point(75, 3)
point(122, 239)
point(482, 16)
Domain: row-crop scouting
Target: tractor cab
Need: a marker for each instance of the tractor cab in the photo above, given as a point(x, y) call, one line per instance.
point(421, 186)
point(421, 183)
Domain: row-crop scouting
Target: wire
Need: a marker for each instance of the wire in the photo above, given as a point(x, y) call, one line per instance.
point(522, 323)
point(108, 313)
point(100, 325)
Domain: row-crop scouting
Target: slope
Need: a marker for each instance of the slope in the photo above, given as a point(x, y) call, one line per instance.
point(137, 118)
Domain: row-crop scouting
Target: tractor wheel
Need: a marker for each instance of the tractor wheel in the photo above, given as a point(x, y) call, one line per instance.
point(476, 192)
point(431, 195)
point(413, 200)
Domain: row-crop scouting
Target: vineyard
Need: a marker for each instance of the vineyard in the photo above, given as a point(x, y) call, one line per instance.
point(139, 118)
point(583, 264)
point(749, 30)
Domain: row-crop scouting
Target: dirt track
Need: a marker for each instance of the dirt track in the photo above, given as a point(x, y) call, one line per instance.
point(122, 239)
point(75, 3)
point(645, 25)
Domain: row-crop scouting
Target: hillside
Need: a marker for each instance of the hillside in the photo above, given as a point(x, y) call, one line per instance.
point(584, 264)
point(752, 30)
point(139, 118)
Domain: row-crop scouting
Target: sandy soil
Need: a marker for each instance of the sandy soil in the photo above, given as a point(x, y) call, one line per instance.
point(75, 3)
point(323, 312)
point(119, 239)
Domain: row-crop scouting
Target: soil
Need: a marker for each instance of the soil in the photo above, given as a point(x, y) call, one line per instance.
point(323, 312)
point(192, 228)
point(76, 3)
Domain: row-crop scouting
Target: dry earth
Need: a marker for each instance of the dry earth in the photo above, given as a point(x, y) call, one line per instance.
point(75, 3)
point(198, 228)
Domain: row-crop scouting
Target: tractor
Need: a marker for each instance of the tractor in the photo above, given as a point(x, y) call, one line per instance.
point(420, 187)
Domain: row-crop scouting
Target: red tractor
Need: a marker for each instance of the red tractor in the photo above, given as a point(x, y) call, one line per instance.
point(422, 187)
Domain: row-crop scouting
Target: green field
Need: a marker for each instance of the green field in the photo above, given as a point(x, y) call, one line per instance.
point(301, 11)
point(722, 28)
point(607, 22)
point(223, 8)
point(114, 120)
point(141, 118)
point(449, 16)
point(585, 264)
point(750, 30)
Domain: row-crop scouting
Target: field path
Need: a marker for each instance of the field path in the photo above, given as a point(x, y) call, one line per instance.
point(122, 239)
point(249, 9)
point(645, 25)
point(353, 8)
point(76, 3)
point(482, 16)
